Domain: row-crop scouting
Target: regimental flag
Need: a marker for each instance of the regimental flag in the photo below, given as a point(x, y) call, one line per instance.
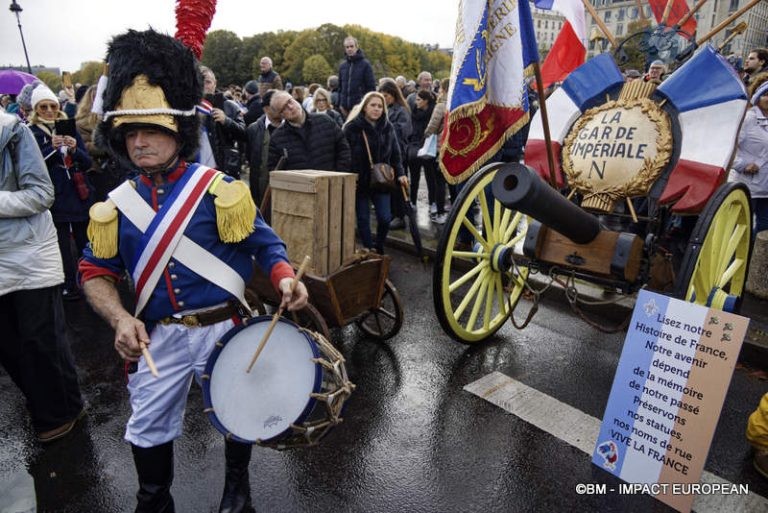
point(487, 102)
point(569, 50)
point(678, 10)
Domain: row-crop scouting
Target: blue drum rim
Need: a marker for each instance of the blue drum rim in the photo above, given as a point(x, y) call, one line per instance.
point(213, 357)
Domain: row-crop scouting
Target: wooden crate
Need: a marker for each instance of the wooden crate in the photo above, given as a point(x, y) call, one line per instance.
point(314, 213)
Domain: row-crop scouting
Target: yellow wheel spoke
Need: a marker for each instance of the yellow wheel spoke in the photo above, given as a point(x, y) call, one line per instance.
point(471, 254)
point(471, 227)
point(732, 246)
point(701, 289)
point(504, 223)
point(487, 226)
point(500, 295)
point(489, 302)
point(496, 219)
point(468, 276)
point(479, 298)
point(517, 238)
point(730, 272)
point(727, 231)
point(471, 293)
point(512, 226)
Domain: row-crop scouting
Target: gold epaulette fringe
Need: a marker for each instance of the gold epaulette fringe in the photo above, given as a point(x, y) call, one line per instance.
point(235, 209)
point(102, 229)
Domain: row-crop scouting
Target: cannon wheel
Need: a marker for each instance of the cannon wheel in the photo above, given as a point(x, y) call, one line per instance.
point(472, 291)
point(716, 260)
point(384, 322)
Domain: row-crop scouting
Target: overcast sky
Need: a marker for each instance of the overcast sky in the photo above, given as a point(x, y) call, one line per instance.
point(65, 33)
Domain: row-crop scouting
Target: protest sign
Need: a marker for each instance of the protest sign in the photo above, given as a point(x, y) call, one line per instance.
point(667, 394)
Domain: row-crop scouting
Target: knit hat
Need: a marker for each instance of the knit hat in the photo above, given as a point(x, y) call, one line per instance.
point(41, 93)
point(24, 98)
point(251, 87)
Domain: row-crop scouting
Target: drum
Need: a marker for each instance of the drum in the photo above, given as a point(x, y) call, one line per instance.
point(293, 395)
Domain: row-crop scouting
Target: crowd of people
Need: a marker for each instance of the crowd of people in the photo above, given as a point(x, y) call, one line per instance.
point(67, 158)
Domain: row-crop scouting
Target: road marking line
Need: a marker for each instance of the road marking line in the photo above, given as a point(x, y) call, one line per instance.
point(581, 430)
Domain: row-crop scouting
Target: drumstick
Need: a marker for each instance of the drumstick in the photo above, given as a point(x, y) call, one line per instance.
point(148, 358)
point(277, 315)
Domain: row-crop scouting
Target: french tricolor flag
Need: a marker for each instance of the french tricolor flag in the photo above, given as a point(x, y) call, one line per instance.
point(569, 49)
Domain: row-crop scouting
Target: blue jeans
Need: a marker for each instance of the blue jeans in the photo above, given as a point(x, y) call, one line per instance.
point(383, 217)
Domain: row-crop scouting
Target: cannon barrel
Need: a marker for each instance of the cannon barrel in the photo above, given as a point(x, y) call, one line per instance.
point(518, 187)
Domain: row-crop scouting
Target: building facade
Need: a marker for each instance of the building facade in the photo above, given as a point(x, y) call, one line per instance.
point(617, 14)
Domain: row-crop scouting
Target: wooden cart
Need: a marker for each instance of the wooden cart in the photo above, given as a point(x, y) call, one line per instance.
point(357, 292)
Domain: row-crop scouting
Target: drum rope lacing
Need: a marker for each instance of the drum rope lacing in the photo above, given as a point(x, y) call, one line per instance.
point(309, 433)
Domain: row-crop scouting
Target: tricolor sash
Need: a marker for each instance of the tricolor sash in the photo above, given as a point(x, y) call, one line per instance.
point(163, 236)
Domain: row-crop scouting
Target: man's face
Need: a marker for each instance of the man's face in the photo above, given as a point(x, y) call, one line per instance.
point(655, 71)
point(425, 81)
point(209, 83)
point(148, 147)
point(753, 63)
point(265, 65)
point(286, 107)
point(350, 47)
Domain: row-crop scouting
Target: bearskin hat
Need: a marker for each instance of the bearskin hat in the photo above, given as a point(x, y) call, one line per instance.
point(154, 80)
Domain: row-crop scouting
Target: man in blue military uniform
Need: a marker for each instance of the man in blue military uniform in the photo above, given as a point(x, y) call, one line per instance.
point(187, 234)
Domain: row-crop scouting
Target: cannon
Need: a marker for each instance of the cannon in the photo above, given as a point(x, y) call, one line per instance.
point(640, 200)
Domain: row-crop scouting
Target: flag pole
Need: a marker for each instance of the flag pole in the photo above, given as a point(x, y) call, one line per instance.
point(690, 13)
point(641, 10)
point(667, 10)
point(545, 124)
point(726, 22)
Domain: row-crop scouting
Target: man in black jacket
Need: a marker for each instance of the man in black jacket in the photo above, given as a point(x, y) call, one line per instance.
point(311, 141)
point(221, 129)
point(258, 134)
point(355, 77)
point(253, 102)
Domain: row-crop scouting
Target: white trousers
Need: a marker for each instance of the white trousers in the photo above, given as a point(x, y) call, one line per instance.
point(158, 403)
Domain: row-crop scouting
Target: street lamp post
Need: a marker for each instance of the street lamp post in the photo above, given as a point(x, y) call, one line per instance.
point(16, 9)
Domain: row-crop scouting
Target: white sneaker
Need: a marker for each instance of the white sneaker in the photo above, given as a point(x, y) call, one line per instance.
point(440, 218)
point(433, 208)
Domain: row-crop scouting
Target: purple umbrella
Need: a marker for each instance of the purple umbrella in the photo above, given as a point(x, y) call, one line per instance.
point(11, 81)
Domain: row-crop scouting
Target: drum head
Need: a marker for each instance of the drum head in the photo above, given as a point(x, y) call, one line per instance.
point(262, 404)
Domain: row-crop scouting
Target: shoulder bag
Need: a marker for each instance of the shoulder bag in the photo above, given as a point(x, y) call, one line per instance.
point(382, 175)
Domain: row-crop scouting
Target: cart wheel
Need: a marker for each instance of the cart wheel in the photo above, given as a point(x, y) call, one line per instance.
point(716, 260)
point(471, 287)
point(384, 322)
point(309, 318)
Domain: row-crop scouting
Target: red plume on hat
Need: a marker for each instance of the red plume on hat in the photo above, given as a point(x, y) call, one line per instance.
point(193, 19)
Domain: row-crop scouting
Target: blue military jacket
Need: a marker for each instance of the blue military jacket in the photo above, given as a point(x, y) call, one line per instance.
point(179, 288)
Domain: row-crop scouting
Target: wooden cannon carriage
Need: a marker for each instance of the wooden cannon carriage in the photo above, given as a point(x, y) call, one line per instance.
point(641, 199)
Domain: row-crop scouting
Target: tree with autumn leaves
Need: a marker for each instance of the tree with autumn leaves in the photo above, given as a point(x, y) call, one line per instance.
point(312, 55)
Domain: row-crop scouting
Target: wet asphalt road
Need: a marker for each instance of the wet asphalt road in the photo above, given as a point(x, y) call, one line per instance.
point(412, 439)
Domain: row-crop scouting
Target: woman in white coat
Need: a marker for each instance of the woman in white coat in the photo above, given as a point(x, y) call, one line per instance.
point(751, 163)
